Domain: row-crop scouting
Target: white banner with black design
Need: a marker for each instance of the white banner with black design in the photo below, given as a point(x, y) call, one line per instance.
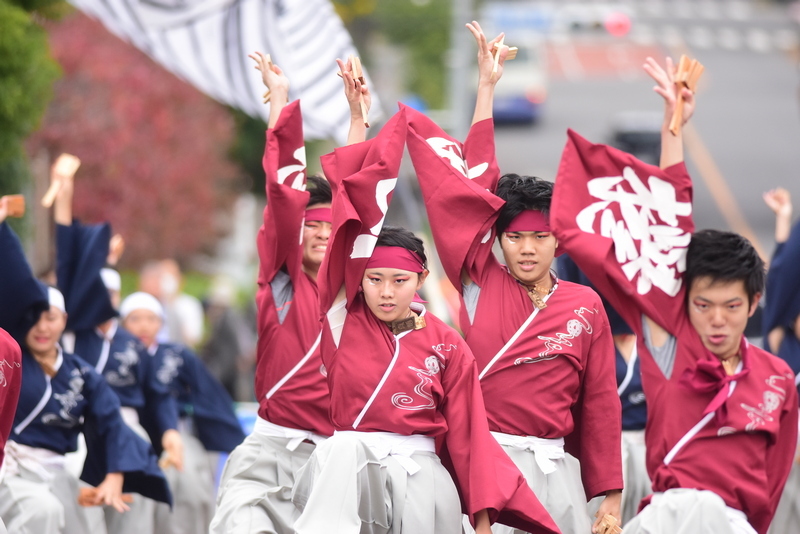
point(206, 43)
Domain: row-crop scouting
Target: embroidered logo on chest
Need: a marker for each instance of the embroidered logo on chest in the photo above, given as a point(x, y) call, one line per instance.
point(68, 400)
point(424, 399)
point(169, 367)
point(126, 359)
point(554, 345)
point(10, 365)
point(772, 400)
point(636, 398)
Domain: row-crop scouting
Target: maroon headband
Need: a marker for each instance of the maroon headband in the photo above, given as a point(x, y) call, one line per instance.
point(395, 258)
point(529, 221)
point(319, 214)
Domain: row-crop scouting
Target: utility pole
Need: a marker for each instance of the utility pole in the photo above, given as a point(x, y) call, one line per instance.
point(42, 249)
point(460, 60)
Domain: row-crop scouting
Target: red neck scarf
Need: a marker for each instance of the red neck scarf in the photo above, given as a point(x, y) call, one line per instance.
point(710, 375)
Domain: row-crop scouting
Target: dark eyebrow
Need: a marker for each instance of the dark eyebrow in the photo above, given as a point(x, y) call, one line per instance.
point(710, 302)
point(379, 273)
point(529, 232)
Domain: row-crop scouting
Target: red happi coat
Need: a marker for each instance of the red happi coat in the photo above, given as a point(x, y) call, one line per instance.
point(420, 381)
point(558, 378)
point(10, 383)
point(302, 400)
point(628, 225)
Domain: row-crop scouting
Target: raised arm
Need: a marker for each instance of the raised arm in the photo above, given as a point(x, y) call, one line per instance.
point(487, 79)
point(457, 180)
point(23, 297)
point(284, 165)
point(3, 209)
point(355, 91)
point(62, 211)
point(627, 225)
point(81, 253)
point(277, 84)
point(671, 145)
point(783, 284)
point(362, 178)
point(780, 202)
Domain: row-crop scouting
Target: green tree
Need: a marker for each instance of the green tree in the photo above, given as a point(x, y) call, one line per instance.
point(27, 73)
point(424, 29)
point(153, 149)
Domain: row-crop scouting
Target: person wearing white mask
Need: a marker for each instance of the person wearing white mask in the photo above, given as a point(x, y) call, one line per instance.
point(207, 420)
point(183, 314)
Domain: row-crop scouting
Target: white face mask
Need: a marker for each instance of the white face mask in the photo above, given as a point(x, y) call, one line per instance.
point(169, 285)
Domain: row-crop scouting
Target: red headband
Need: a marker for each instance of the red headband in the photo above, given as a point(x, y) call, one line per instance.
point(529, 221)
point(395, 258)
point(319, 214)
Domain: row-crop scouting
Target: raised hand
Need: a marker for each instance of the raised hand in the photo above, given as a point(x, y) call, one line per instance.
point(272, 75)
point(356, 93)
point(354, 90)
point(3, 209)
point(780, 202)
point(668, 89)
point(486, 56)
point(277, 84)
point(62, 180)
point(116, 246)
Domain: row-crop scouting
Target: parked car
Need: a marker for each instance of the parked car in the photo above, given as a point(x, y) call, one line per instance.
point(521, 93)
point(638, 133)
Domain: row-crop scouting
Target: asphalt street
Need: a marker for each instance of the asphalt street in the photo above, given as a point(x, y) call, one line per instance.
point(746, 131)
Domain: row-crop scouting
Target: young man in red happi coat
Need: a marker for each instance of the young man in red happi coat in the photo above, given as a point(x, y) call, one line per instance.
point(291, 384)
point(722, 414)
point(543, 346)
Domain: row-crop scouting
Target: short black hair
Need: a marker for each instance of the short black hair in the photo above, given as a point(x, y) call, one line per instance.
point(521, 193)
point(724, 257)
point(395, 236)
point(320, 190)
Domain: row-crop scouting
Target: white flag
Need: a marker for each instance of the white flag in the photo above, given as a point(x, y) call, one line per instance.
point(206, 43)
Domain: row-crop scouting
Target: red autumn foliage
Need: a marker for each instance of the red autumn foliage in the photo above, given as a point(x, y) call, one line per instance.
point(153, 148)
